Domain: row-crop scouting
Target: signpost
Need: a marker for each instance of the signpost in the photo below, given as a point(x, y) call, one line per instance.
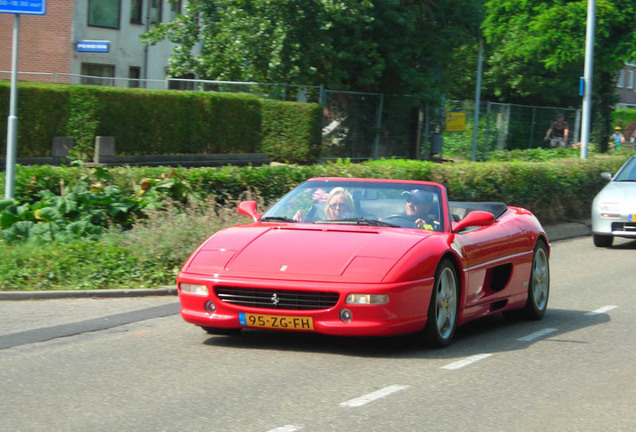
point(16, 7)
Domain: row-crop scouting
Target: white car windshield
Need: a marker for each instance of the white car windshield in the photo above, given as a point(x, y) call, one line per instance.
point(628, 172)
point(392, 204)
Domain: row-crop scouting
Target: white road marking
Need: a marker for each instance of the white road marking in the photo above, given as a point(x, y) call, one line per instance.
point(363, 400)
point(537, 335)
point(465, 362)
point(601, 310)
point(286, 428)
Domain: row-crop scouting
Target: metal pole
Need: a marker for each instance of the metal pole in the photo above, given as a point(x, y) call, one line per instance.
point(378, 127)
point(587, 78)
point(12, 123)
point(477, 99)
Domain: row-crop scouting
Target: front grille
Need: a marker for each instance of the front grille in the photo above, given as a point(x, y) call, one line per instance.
point(276, 299)
point(624, 226)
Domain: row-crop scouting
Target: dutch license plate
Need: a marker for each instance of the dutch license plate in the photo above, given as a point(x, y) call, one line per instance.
point(276, 321)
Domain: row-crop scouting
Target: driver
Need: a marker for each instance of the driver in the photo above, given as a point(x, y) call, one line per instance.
point(419, 204)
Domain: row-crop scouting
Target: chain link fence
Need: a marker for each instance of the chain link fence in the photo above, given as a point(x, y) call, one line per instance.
point(360, 126)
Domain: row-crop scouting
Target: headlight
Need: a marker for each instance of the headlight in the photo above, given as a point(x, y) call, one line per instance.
point(194, 289)
point(367, 299)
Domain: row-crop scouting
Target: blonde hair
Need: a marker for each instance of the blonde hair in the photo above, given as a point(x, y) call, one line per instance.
point(339, 191)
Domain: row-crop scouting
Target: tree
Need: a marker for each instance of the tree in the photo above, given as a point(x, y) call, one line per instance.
point(399, 46)
point(537, 52)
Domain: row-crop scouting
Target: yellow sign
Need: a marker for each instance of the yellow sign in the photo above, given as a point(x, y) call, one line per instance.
point(455, 122)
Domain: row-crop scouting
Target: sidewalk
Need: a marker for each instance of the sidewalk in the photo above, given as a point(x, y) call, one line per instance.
point(555, 233)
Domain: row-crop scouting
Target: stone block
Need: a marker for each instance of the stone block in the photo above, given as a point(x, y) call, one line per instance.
point(61, 146)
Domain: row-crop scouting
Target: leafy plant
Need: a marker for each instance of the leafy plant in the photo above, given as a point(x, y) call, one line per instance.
point(83, 122)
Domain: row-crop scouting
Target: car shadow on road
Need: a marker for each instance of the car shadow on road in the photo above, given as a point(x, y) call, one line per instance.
point(493, 334)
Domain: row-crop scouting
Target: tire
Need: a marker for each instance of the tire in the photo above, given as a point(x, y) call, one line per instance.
point(443, 309)
point(222, 331)
point(539, 285)
point(601, 240)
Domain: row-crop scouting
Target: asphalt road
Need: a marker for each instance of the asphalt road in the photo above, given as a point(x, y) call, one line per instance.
point(132, 364)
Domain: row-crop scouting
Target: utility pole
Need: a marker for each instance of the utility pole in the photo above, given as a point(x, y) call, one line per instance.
point(587, 78)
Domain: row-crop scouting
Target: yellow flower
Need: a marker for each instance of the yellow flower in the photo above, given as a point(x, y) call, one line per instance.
point(145, 184)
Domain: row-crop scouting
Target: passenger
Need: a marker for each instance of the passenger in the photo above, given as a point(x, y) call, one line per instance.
point(338, 205)
point(419, 206)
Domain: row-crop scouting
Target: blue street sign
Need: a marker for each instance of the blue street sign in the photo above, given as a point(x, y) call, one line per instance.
point(25, 7)
point(95, 46)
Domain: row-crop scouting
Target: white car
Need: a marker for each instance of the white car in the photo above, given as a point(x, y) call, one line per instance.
point(614, 207)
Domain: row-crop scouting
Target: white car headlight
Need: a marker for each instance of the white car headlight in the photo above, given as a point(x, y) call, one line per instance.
point(194, 289)
point(367, 299)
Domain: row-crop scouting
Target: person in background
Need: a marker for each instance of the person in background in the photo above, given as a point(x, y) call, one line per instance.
point(617, 139)
point(558, 132)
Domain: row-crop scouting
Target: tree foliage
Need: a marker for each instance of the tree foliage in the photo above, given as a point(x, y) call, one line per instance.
point(383, 45)
point(537, 51)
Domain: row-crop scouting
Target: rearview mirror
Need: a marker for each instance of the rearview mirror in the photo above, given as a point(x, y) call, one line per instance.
point(248, 208)
point(607, 176)
point(476, 218)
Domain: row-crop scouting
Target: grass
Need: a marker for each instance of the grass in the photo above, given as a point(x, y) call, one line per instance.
point(147, 256)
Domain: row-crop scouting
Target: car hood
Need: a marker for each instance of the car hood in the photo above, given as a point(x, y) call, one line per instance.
point(619, 192)
point(337, 254)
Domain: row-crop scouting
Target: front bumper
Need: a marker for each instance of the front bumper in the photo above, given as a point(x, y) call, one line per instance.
point(619, 225)
point(404, 313)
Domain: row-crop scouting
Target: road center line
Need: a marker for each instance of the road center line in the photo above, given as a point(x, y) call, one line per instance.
point(465, 362)
point(601, 310)
point(363, 400)
point(537, 335)
point(286, 428)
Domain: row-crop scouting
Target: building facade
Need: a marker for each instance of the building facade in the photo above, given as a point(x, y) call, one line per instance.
point(626, 86)
point(80, 39)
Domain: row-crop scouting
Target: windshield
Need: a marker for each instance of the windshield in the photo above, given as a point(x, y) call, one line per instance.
point(407, 205)
point(627, 172)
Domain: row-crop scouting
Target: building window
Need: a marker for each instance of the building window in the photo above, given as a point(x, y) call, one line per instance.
point(98, 74)
point(136, 11)
point(630, 79)
point(182, 85)
point(156, 9)
point(134, 73)
point(621, 79)
point(175, 9)
point(104, 13)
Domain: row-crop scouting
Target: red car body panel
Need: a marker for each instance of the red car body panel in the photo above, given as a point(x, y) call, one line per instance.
point(493, 261)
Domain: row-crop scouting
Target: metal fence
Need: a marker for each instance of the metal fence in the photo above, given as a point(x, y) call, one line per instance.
point(361, 126)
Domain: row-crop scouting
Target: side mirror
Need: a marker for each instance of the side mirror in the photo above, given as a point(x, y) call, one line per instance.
point(476, 218)
point(248, 208)
point(607, 176)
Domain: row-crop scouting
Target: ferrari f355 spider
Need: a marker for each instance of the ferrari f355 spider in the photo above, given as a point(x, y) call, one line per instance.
point(368, 257)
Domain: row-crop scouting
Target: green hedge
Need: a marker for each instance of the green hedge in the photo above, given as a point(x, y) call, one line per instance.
point(555, 191)
point(146, 122)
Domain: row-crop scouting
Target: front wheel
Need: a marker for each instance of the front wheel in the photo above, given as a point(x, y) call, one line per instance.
point(443, 308)
point(601, 240)
point(539, 284)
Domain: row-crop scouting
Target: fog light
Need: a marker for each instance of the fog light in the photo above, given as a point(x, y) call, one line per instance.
point(345, 315)
point(210, 307)
point(367, 299)
point(195, 289)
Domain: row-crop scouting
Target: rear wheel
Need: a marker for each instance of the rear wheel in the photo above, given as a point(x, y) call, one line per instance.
point(443, 308)
point(539, 285)
point(601, 240)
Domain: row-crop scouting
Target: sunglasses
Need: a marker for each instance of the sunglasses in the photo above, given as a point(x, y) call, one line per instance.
point(336, 205)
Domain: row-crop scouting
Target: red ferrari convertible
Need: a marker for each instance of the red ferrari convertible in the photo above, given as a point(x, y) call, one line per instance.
point(367, 257)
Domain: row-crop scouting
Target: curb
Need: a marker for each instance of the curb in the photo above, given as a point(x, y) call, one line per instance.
point(554, 232)
point(48, 295)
